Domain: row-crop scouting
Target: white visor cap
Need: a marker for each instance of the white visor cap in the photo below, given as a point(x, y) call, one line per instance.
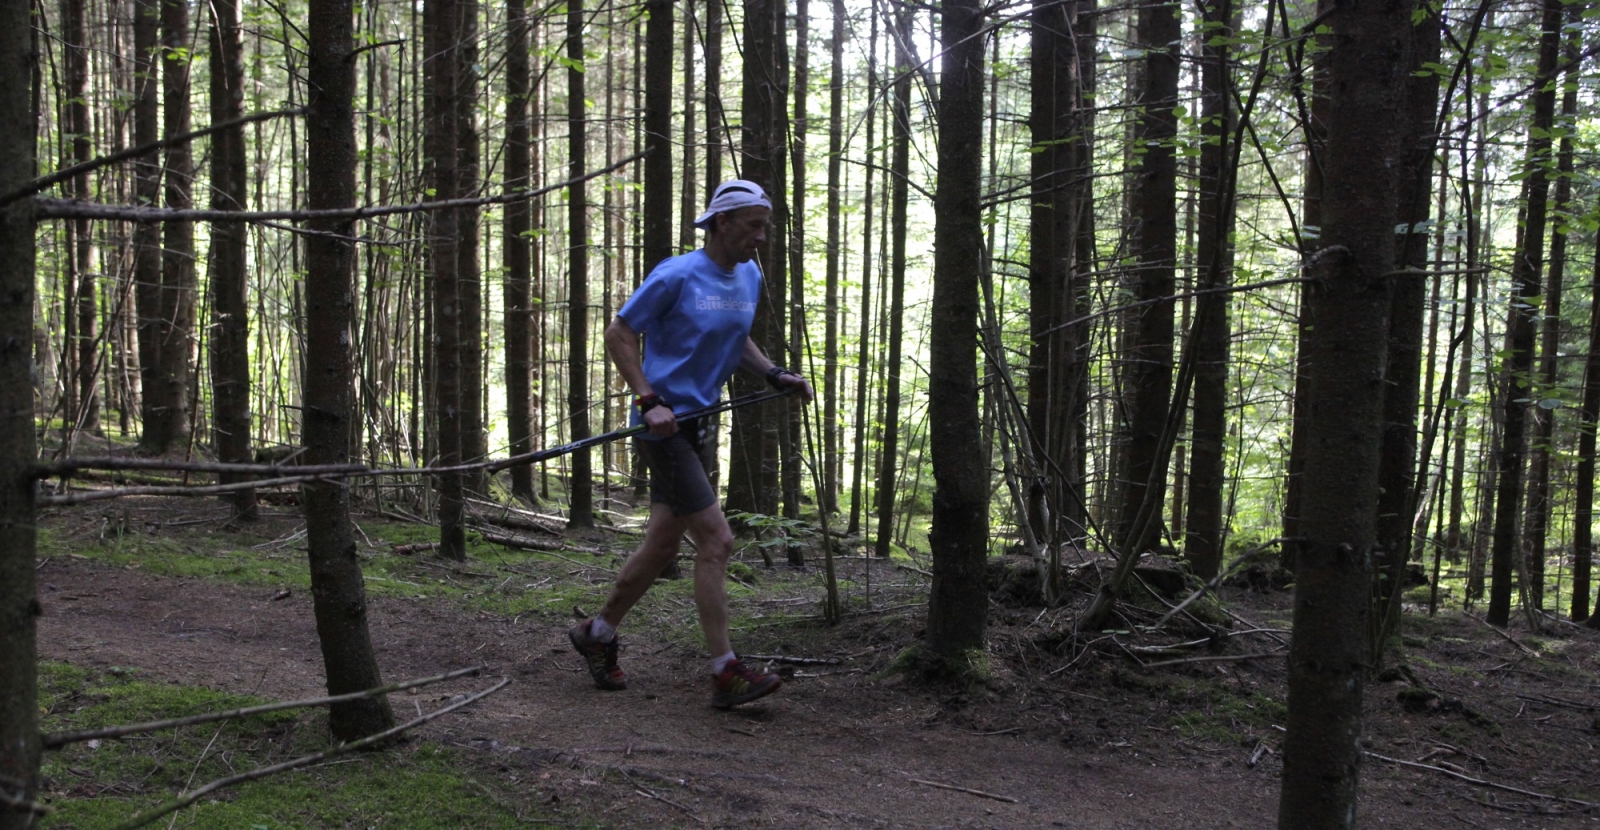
point(730, 196)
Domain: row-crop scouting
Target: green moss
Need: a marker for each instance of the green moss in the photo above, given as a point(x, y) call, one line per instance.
point(103, 785)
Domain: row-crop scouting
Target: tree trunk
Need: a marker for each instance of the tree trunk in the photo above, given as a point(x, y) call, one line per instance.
point(958, 602)
point(579, 487)
point(899, 197)
point(1205, 522)
point(792, 421)
point(338, 595)
point(80, 241)
point(164, 424)
point(1583, 512)
point(441, 38)
point(1368, 62)
point(864, 319)
point(474, 440)
point(227, 267)
point(831, 466)
point(1518, 365)
point(1397, 476)
point(518, 249)
point(1147, 380)
point(19, 603)
point(656, 240)
point(753, 480)
point(178, 287)
point(1537, 519)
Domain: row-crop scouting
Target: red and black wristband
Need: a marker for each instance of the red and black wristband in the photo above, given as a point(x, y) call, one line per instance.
point(645, 403)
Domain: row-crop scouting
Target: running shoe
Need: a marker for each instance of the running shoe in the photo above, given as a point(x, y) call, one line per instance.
point(738, 683)
point(601, 658)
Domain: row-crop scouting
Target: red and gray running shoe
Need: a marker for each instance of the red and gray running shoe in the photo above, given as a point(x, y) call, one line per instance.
point(738, 683)
point(599, 657)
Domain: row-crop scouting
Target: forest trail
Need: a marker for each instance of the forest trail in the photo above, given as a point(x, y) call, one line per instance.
point(836, 747)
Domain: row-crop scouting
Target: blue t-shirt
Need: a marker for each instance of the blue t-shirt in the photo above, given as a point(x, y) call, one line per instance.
point(696, 317)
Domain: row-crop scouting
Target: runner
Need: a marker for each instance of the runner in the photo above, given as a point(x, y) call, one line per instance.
point(694, 312)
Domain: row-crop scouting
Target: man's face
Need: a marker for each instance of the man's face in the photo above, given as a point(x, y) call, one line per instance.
point(744, 231)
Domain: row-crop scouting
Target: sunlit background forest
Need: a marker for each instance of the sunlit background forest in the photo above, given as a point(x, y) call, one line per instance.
point(849, 269)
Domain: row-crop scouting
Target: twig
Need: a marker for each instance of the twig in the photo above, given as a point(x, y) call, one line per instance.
point(56, 740)
point(1216, 658)
point(195, 795)
point(186, 492)
point(1556, 701)
point(15, 803)
point(73, 208)
point(1006, 798)
point(68, 466)
point(799, 661)
point(1512, 640)
point(1479, 781)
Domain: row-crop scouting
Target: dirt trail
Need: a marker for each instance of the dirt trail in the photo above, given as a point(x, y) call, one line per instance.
point(834, 748)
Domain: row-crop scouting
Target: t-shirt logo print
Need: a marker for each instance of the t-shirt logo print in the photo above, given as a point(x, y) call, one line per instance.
point(712, 302)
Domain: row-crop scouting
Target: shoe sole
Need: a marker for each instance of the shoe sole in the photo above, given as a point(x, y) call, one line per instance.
point(746, 698)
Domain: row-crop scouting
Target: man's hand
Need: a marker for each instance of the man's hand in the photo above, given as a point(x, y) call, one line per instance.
point(659, 418)
point(784, 380)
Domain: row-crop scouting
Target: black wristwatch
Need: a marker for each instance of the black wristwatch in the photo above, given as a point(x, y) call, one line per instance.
point(645, 403)
point(777, 372)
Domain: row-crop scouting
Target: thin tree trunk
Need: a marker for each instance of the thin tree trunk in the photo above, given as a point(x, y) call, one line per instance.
point(178, 286)
point(829, 497)
point(580, 485)
point(80, 242)
point(1368, 61)
point(1518, 364)
point(1147, 377)
point(1583, 515)
point(518, 249)
point(1205, 522)
point(899, 197)
point(958, 602)
point(230, 321)
point(338, 595)
point(442, 36)
point(1397, 476)
point(1537, 519)
point(863, 347)
point(657, 219)
point(161, 422)
point(19, 603)
point(792, 422)
point(474, 440)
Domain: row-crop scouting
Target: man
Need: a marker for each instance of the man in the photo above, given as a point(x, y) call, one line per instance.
point(695, 311)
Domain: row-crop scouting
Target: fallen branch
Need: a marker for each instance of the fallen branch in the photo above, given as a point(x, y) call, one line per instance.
point(1480, 782)
point(520, 542)
point(798, 661)
point(1556, 701)
point(194, 795)
point(70, 466)
point(1247, 558)
point(186, 492)
point(15, 803)
point(1217, 658)
point(1006, 798)
point(1510, 639)
point(56, 740)
point(418, 547)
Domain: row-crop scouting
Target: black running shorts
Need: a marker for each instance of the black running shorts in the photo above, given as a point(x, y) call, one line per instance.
point(680, 469)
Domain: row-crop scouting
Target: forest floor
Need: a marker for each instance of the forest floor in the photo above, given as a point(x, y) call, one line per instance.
point(1062, 735)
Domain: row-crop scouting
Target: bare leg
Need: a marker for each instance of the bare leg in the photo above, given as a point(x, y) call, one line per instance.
point(713, 540)
point(660, 546)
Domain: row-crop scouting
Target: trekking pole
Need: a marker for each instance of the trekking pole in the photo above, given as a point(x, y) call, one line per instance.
point(606, 438)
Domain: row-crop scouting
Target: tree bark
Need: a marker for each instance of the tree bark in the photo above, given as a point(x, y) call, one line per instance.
point(178, 286)
point(227, 268)
point(864, 318)
point(474, 440)
point(1368, 60)
point(1147, 378)
point(440, 133)
point(337, 592)
point(19, 603)
point(1397, 475)
point(831, 456)
point(163, 424)
point(1516, 376)
point(579, 486)
point(80, 240)
point(753, 478)
point(899, 198)
point(657, 219)
point(958, 602)
point(1205, 522)
point(518, 227)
